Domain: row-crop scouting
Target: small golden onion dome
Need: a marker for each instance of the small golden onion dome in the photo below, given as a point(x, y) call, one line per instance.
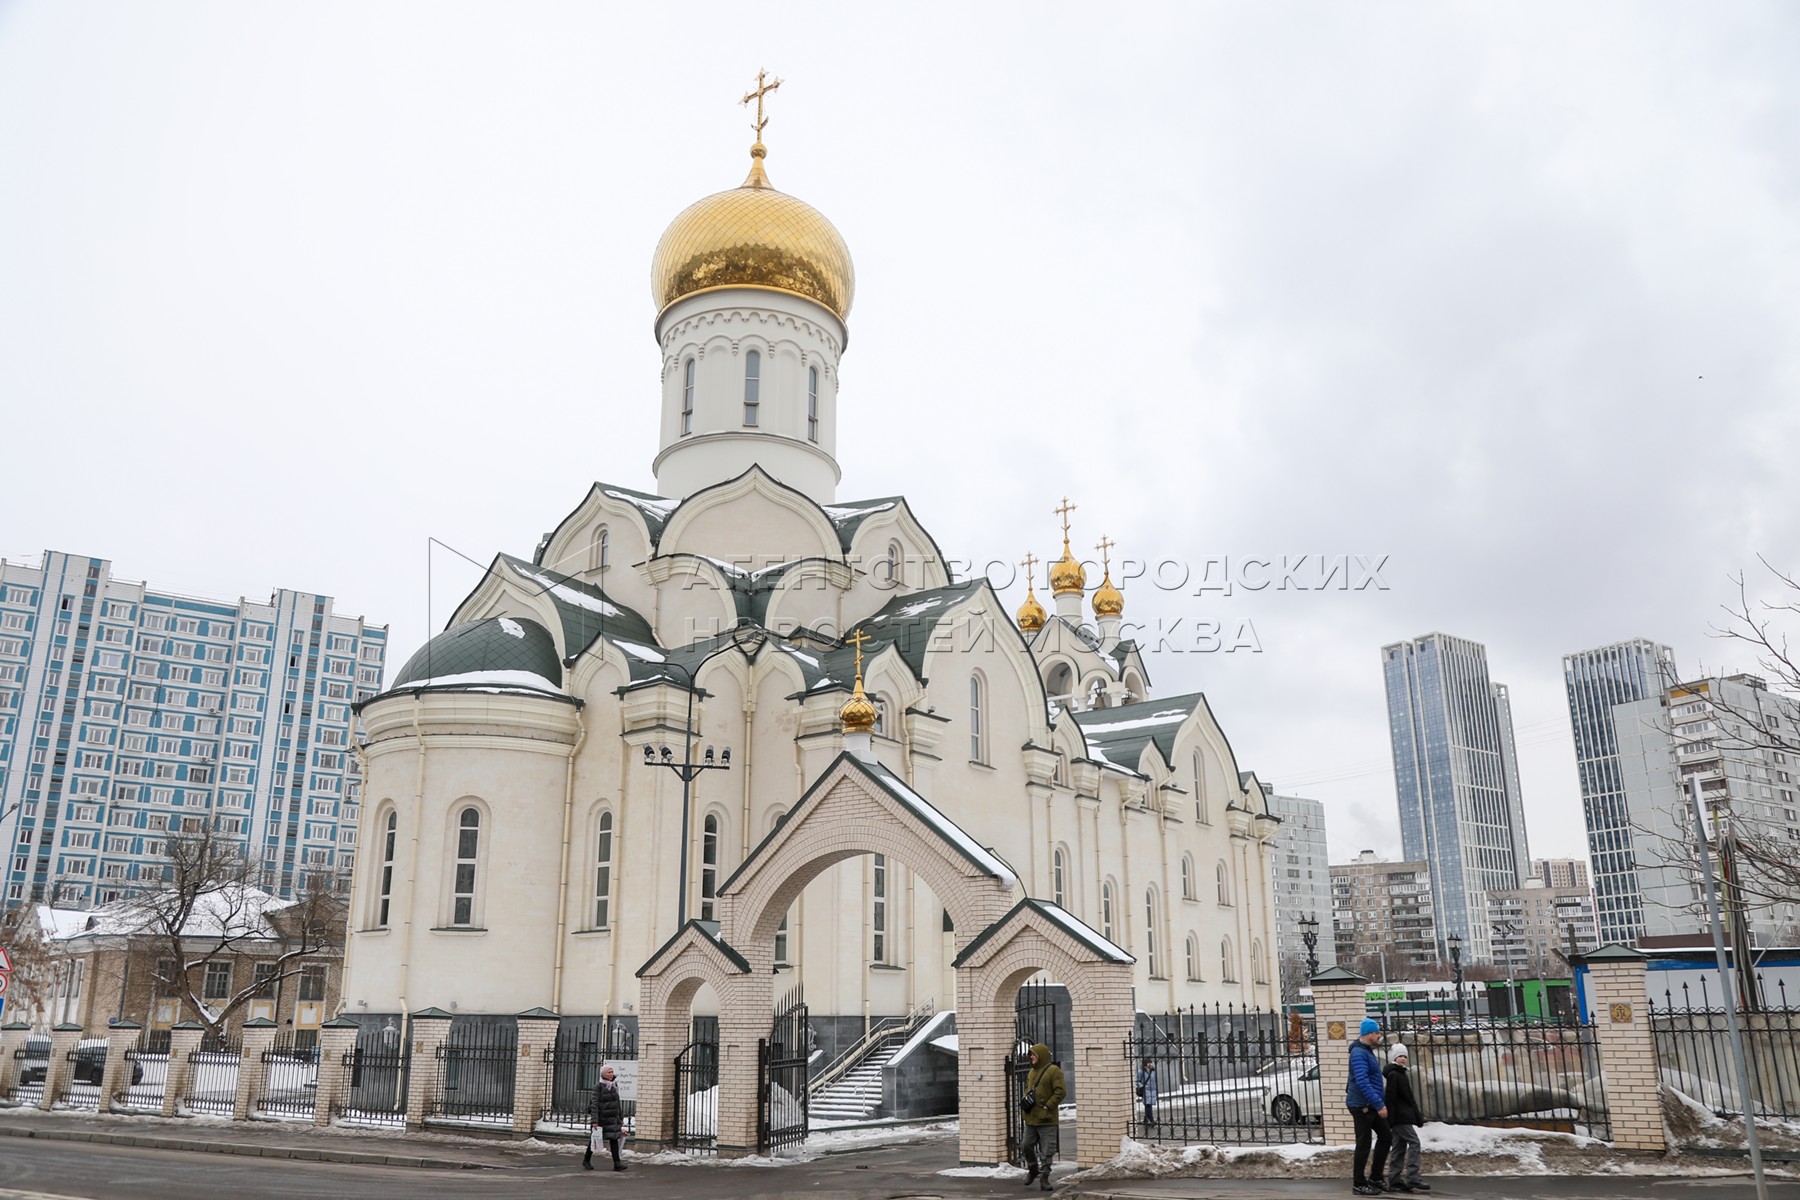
point(753, 237)
point(1031, 614)
point(1067, 576)
point(858, 713)
point(1108, 600)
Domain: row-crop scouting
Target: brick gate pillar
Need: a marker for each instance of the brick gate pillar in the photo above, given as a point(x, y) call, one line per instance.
point(122, 1039)
point(1102, 1028)
point(1618, 1001)
point(1340, 1002)
point(259, 1038)
point(429, 1028)
point(178, 1077)
point(337, 1037)
point(59, 1070)
point(12, 1040)
point(984, 1037)
point(531, 1074)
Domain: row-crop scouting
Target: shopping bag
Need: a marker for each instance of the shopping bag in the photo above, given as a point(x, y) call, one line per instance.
point(596, 1141)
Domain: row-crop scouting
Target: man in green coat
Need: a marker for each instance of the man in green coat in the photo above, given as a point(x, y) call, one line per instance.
point(1044, 1089)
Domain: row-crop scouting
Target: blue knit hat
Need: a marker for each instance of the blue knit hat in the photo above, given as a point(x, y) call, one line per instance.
point(1369, 1025)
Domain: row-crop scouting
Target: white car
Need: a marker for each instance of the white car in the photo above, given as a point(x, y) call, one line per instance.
point(1291, 1091)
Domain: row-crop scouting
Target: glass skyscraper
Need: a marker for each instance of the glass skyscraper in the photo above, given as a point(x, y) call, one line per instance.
point(1597, 681)
point(1456, 777)
point(127, 714)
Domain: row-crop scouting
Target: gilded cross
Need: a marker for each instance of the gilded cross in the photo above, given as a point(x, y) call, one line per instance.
point(857, 639)
point(1104, 545)
point(1063, 510)
point(762, 89)
point(1029, 562)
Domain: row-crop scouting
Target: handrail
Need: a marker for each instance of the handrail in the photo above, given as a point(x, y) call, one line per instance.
point(883, 1031)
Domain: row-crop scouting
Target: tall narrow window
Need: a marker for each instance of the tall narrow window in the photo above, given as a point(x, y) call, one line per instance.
point(1224, 879)
point(752, 385)
point(1056, 879)
point(709, 867)
point(1259, 973)
point(812, 404)
point(977, 725)
point(687, 397)
point(603, 856)
point(1187, 877)
point(878, 916)
point(1150, 948)
point(1106, 912)
point(468, 848)
point(1227, 969)
point(1200, 813)
point(781, 942)
point(890, 567)
point(1193, 958)
point(600, 553)
point(388, 838)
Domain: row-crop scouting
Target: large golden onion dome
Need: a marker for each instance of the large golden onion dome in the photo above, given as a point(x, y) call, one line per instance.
point(1108, 600)
point(858, 713)
point(1031, 614)
point(1067, 576)
point(753, 237)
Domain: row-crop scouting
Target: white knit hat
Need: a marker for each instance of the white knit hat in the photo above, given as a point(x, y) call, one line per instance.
point(1399, 1051)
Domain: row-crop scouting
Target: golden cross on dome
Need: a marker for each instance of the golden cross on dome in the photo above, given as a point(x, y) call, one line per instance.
point(857, 639)
point(1104, 545)
point(762, 89)
point(1029, 562)
point(1063, 510)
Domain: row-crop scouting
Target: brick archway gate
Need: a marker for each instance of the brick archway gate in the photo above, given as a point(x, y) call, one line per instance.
point(856, 807)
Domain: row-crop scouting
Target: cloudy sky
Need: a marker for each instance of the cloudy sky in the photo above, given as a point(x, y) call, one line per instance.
point(1505, 295)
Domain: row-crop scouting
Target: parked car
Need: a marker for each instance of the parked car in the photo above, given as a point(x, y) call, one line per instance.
point(1291, 1092)
point(90, 1061)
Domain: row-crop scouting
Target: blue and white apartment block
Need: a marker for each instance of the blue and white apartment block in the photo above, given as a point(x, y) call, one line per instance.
point(127, 713)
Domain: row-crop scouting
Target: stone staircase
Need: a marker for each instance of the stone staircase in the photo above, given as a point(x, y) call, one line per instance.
point(855, 1096)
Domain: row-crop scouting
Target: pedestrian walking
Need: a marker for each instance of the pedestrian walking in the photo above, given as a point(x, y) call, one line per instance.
point(1146, 1091)
point(607, 1112)
point(1366, 1097)
point(1404, 1116)
point(1042, 1102)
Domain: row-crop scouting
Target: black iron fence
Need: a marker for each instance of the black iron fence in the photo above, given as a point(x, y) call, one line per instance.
point(572, 1067)
point(1694, 1054)
point(1034, 1022)
point(86, 1073)
point(476, 1066)
point(30, 1067)
point(697, 1098)
point(146, 1074)
point(290, 1084)
point(1226, 1075)
point(782, 1061)
point(212, 1088)
point(1517, 1072)
point(376, 1076)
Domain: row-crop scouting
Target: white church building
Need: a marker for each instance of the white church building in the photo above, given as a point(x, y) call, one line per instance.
point(528, 840)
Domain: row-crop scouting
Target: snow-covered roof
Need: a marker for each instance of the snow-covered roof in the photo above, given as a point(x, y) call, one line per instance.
point(976, 853)
point(236, 910)
point(1103, 948)
point(1116, 737)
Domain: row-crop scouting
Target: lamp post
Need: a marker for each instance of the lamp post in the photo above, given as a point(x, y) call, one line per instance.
point(687, 769)
point(1309, 934)
point(1456, 974)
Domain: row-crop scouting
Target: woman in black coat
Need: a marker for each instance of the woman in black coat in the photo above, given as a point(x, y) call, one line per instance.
point(608, 1114)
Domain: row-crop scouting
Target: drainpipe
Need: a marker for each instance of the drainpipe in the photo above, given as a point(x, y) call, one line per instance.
point(562, 882)
point(749, 740)
point(412, 884)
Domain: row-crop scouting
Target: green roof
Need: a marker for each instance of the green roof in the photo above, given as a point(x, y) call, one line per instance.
point(495, 651)
point(584, 610)
point(1116, 737)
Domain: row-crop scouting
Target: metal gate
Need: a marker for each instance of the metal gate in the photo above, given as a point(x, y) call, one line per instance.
point(290, 1078)
point(377, 1076)
point(782, 1067)
point(1225, 1075)
point(1034, 1021)
point(697, 1097)
point(476, 1073)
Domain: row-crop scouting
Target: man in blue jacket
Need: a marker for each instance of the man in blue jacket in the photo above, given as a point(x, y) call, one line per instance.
point(1366, 1097)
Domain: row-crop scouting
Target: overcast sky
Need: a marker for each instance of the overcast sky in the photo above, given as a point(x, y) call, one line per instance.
point(1507, 295)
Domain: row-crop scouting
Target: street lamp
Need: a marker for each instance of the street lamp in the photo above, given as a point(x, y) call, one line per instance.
point(1309, 934)
point(687, 769)
point(1456, 974)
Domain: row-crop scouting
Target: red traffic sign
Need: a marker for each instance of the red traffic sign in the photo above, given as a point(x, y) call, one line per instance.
point(3, 981)
point(5, 960)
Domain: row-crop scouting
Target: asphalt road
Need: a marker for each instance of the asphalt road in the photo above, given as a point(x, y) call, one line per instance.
point(36, 1169)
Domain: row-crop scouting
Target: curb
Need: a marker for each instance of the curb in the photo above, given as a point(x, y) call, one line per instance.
point(246, 1149)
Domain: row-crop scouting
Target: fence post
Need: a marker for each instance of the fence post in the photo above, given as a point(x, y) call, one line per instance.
point(259, 1036)
point(1340, 1002)
point(1618, 997)
point(337, 1037)
point(430, 1026)
point(184, 1041)
point(63, 1040)
point(12, 1040)
point(537, 1033)
point(122, 1039)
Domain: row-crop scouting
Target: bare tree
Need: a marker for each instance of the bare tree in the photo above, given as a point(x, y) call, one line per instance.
point(207, 909)
point(33, 969)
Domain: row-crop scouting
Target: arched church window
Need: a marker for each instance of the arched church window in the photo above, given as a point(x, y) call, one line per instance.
point(468, 857)
point(1062, 680)
point(1224, 877)
point(891, 570)
point(1107, 929)
point(752, 385)
point(881, 713)
point(812, 404)
point(977, 721)
point(1227, 967)
point(1187, 877)
point(878, 952)
point(781, 941)
point(1200, 813)
point(1151, 955)
point(709, 867)
point(1193, 958)
point(1259, 973)
point(1058, 871)
point(687, 397)
point(386, 888)
point(603, 861)
point(600, 553)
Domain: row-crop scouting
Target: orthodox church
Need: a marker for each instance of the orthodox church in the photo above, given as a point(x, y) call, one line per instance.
point(570, 772)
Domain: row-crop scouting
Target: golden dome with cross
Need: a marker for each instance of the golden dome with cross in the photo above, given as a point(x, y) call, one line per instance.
point(1067, 576)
